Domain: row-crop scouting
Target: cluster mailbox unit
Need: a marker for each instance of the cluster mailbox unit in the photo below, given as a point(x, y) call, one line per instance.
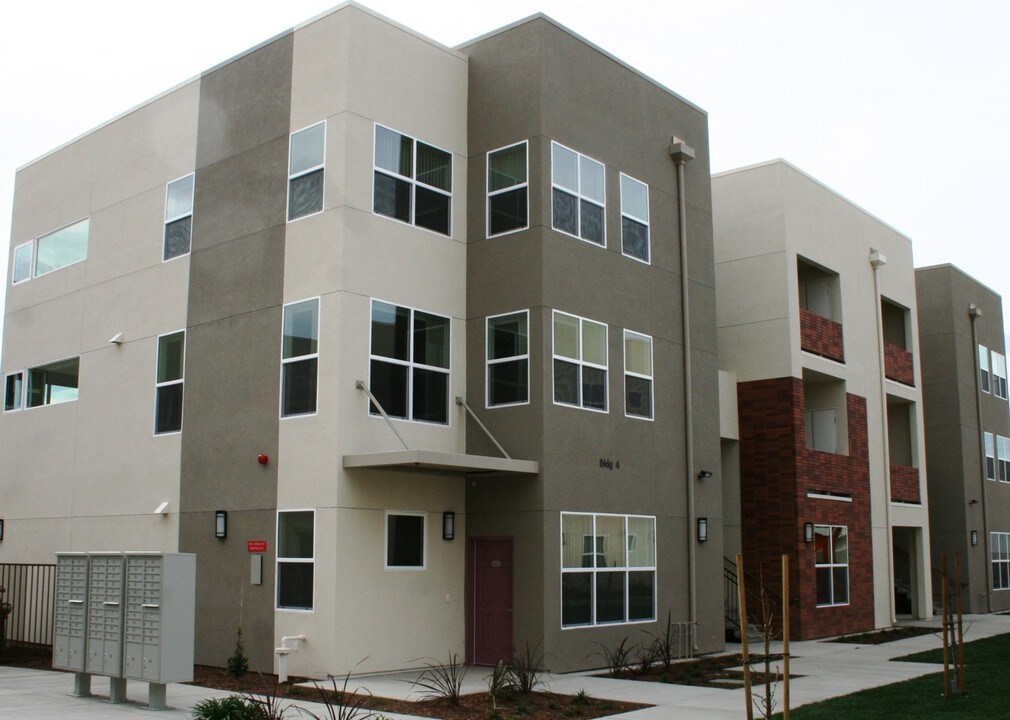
point(127, 615)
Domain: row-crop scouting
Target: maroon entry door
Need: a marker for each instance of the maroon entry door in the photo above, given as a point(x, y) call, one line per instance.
point(492, 600)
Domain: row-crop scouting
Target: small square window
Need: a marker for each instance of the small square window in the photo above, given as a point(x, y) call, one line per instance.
point(405, 540)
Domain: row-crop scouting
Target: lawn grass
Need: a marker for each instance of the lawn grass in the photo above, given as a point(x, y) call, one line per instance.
point(922, 698)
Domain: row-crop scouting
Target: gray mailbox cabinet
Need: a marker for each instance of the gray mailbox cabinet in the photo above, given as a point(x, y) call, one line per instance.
point(71, 613)
point(105, 615)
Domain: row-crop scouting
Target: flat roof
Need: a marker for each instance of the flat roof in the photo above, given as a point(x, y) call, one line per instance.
point(442, 461)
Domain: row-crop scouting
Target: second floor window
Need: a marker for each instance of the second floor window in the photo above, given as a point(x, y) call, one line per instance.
point(508, 359)
point(305, 171)
point(56, 250)
point(507, 190)
point(178, 217)
point(578, 195)
point(983, 367)
point(999, 386)
point(634, 218)
point(413, 181)
point(300, 358)
point(580, 362)
point(168, 392)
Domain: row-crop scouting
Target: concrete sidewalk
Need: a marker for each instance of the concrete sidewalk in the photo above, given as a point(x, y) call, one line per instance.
point(828, 669)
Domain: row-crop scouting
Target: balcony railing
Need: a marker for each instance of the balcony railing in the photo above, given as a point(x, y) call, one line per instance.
point(821, 336)
point(898, 365)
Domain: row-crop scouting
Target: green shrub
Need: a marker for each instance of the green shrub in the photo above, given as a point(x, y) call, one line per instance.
point(238, 663)
point(232, 707)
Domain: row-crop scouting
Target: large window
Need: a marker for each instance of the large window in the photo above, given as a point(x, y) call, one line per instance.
point(831, 547)
point(990, 455)
point(413, 181)
point(637, 375)
point(999, 387)
point(578, 195)
point(405, 540)
point(300, 358)
point(507, 190)
point(580, 362)
point(409, 363)
point(608, 569)
point(51, 252)
point(178, 217)
point(983, 367)
point(1000, 549)
point(168, 386)
point(508, 359)
point(53, 384)
point(295, 559)
point(634, 218)
point(305, 171)
point(1003, 458)
point(13, 391)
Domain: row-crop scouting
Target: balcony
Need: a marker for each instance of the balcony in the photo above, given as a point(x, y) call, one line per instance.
point(898, 365)
point(821, 336)
point(905, 484)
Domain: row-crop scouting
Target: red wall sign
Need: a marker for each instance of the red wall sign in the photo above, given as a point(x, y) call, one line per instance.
point(256, 546)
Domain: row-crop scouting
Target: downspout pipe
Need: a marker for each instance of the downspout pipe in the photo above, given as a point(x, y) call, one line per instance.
point(682, 154)
point(974, 313)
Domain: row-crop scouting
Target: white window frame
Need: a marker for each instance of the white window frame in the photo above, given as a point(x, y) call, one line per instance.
point(511, 188)
point(424, 540)
point(999, 547)
point(412, 180)
point(167, 383)
point(278, 560)
point(1003, 458)
point(579, 196)
point(34, 243)
point(488, 361)
point(999, 384)
point(643, 221)
point(31, 262)
point(990, 455)
point(581, 363)
point(651, 378)
point(175, 218)
point(21, 391)
point(831, 564)
point(410, 364)
point(594, 571)
point(301, 173)
point(983, 368)
point(300, 358)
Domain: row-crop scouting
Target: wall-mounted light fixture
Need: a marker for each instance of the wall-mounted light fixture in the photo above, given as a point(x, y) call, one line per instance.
point(974, 538)
point(448, 525)
point(704, 474)
point(808, 532)
point(702, 529)
point(1, 530)
point(220, 524)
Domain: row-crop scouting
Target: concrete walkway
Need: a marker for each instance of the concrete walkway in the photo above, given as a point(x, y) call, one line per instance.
point(828, 669)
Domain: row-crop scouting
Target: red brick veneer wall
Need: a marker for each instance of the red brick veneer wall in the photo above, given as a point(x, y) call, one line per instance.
point(821, 336)
point(898, 365)
point(905, 484)
point(776, 473)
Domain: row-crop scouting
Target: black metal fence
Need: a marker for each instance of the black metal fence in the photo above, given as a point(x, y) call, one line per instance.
point(29, 589)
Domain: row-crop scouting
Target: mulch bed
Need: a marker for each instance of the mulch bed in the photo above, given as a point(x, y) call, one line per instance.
point(710, 671)
point(878, 637)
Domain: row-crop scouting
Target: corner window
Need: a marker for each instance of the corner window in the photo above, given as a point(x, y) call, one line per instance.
point(580, 362)
point(300, 358)
point(637, 375)
point(178, 217)
point(1003, 458)
point(305, 171)
point(634, 218)
point(999, 387)
point(413, 181)
point(51, 252)
point(1000, 549)
point(409, 363)
point(22, 266)
point(507, 190)
point(54, 383)
point(13, 391)
point(295, 559)
point(578, 195)
point(831, 548)
point(608, 569)
point(983, 367)
point(405, 540)
point(168, 387)
point(990, 456)
point(508, 359)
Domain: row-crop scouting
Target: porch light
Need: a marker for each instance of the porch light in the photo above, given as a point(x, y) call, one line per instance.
point(704, 474)
point(220, 524)
point(448, 525)
point(974, 536)
point(808, 532)
point(702, 529)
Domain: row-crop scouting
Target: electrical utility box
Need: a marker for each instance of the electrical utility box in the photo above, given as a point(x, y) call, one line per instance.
point(71, 612)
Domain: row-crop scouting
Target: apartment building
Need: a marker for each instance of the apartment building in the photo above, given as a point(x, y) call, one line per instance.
point(816, 315)
point(967, 429)
point(413, 346)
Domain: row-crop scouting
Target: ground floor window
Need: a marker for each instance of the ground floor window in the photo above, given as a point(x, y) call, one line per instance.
point(1000, 560)
point(295, 559)
point(608, 569)
point(405, 540)
point(831, 544)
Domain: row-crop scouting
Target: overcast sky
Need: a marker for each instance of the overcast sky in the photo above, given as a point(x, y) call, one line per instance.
point(901, 106)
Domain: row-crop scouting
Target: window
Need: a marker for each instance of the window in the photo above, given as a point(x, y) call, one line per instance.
point(508, 359)
point(300, 358)
point(580, 362)
point(22, 269)
point(168, 386)
point(634, 218)
point(990, 456)
point(999, 388)
point(413, 181)
point(51, 252)
point(608, 569)
point(822, 430)
point(295, 559)
point(831, 548)
point(13, 391)
point(507, 190)
point(1000, 549)
point(53, 384)
point(1003, 454)
point(579, 198)
point(410, 363)
point(637, 375)
point(405, 540)
point(305, 171)
point(983, 367)
point(178, 217)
